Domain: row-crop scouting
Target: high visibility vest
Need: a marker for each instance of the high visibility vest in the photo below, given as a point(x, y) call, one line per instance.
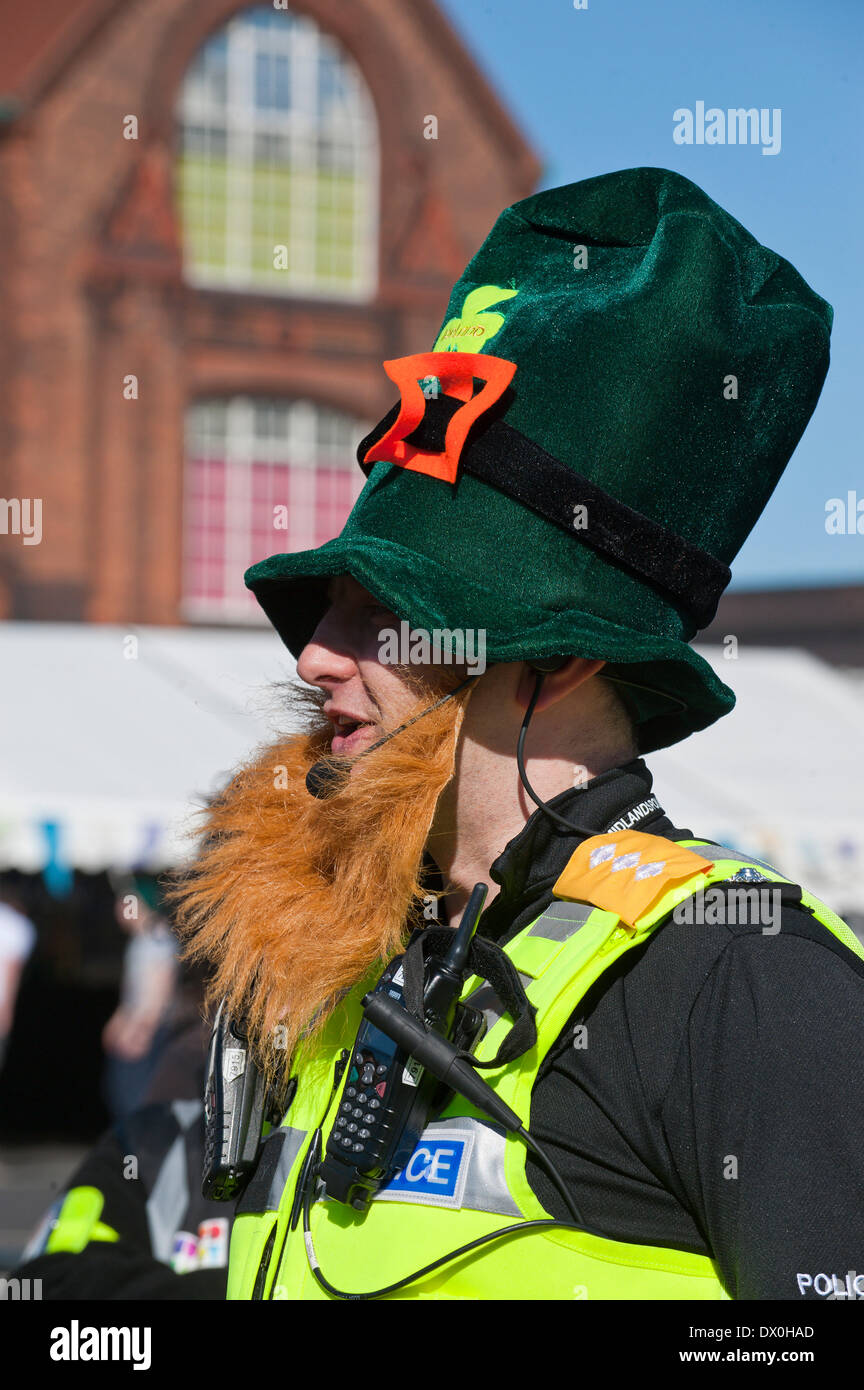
point(467, 1177)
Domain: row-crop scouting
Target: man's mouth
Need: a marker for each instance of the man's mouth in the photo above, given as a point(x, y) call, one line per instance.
point(350, 735)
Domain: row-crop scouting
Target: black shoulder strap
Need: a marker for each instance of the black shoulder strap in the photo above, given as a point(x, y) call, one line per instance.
point(490, 963)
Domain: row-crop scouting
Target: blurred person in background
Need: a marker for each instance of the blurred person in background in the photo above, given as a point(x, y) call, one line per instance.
point(135, 1035)
point(131, 1221)
point(17, 940)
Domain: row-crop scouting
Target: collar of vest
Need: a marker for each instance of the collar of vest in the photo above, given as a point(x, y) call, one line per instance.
point(533, 860)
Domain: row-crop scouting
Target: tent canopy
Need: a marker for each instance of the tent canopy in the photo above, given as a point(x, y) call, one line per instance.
point(111, 737)
point(778, 777)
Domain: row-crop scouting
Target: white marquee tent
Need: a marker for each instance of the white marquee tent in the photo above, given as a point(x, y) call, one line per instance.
point(111, 737)
point(779, 776)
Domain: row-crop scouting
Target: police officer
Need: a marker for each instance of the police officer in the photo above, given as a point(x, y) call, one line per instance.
point(621, 377)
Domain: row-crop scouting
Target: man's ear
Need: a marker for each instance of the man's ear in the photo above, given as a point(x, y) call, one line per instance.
point(556, 684)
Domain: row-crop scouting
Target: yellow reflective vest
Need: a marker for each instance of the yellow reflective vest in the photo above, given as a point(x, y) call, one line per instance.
point(466, 1177)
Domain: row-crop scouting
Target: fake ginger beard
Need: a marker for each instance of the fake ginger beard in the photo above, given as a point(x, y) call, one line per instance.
point(293, 900)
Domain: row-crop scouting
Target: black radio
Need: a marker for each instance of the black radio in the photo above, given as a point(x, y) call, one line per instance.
point(388, 1096)
point(234, 1102)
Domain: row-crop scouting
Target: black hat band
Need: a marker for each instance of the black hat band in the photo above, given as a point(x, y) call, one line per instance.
point(504, 458)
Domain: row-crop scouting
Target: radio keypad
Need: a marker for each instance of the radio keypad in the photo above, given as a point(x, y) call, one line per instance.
point(359, 1102)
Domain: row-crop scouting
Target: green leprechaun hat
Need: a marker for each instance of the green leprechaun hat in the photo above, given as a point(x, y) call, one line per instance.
point(622, 375)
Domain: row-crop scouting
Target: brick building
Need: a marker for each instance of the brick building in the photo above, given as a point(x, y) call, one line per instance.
point(217, 221)
point(827, 621)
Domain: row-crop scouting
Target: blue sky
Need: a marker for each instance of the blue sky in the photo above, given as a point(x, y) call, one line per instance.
point(594, 90)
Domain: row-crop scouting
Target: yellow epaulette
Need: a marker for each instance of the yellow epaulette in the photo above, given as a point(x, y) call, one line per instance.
point(627, 872)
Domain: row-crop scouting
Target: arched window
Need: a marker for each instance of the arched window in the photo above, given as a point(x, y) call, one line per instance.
point(261, 476)
point(278, 162)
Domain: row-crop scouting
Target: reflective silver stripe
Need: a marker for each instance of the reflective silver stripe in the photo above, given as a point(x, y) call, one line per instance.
point(275, 1160)
point(39, 1239)
point(168, 1201)
point(724, 852)
point(483, 1186)
point(486, 1185)
point(186, 1112)
point(486, 1000)
point(561, 920)
point(290, 1148)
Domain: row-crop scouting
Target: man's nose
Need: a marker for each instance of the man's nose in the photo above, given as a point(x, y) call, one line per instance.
point(326, 656)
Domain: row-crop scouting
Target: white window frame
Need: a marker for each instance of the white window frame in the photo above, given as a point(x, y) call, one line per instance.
point(305, 46)
point(240, 447)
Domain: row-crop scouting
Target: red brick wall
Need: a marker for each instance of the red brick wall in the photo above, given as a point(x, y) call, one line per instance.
point(91, 286)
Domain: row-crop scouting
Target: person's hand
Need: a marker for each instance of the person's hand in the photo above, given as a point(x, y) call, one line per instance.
point(111, 1031)
point(128, 1035)
point(136, 1037)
